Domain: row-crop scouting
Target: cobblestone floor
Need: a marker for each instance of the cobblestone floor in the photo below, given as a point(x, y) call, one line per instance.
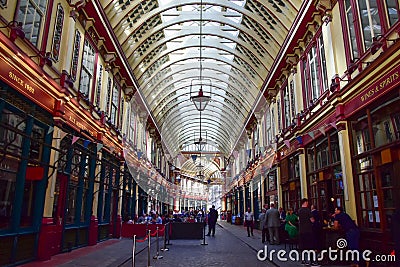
point(230, 247)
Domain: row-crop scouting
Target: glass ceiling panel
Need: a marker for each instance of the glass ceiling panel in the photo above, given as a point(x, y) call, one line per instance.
point(170, 43)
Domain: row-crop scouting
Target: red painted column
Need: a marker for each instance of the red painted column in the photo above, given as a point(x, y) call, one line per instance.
point(93, 231)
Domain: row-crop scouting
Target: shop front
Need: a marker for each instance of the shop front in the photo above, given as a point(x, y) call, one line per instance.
point(25, 146)
point(375, 136)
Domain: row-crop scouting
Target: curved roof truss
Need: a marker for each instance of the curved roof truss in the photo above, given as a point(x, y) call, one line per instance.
point(228, 45)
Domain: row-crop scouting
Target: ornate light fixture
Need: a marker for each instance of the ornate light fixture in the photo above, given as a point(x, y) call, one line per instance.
point(15, 30)
point(200, 100)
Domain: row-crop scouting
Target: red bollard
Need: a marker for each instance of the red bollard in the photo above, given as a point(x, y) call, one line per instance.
point(93, 231)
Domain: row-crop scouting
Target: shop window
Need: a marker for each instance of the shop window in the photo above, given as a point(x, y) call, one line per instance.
point(106, 194)
point(311, 158)
point(324, 174)
point(362, 137)
point(396, 124)
point(322, 154)
point(335, 150)
point(18, 131)
point(368, 200)
point(32, 13)
point(78, 187)
point(87, 71)
point(37, 136)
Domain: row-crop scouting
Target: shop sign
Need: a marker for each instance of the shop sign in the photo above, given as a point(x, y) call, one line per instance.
point(34, 173)
point(24, 85)
point(78, 123)
point(381, 86)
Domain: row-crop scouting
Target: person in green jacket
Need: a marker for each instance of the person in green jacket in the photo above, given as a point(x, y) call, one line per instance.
point(291, 221)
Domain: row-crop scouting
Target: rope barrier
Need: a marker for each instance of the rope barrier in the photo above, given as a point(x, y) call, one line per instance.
point(141, 240)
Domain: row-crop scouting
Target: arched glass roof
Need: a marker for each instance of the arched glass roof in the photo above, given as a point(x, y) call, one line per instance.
point(239, 41)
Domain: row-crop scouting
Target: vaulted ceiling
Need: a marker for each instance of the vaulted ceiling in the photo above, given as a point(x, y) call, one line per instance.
point(229, 47)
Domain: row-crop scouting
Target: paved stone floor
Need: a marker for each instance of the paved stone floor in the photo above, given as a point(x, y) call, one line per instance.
point(230, 247)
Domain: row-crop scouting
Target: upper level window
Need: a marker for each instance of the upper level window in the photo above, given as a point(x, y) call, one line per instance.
point(87, 68)
point(370, 21)
point(31, 13)
point(279, 113)
point(393, 11)
point(114, 105)
point(268, 127)
point(286, 106)
point(367, 19)
point(132, 126)
point(315, 80)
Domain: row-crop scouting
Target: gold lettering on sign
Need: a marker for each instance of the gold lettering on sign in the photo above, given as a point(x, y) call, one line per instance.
point(80, 125)
point(14, 77)
point(380, 87)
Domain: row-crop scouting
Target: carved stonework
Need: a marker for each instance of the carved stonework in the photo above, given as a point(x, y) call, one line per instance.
point(292, 59)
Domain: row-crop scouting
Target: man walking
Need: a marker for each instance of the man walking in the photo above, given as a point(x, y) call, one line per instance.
point(263, 226)
point(248, 221)
point(212, 220)
point(273, 224)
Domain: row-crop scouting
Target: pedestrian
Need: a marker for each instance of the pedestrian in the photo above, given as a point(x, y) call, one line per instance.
point(249, 221)
point(212, 220)
point(282, 214)
point(291, 224)
point(306, 241)
point(273, 223)
point(263, 226)
point(343, 221)
point(317, 228)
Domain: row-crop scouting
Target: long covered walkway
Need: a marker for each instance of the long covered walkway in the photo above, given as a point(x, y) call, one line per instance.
point(230, 247)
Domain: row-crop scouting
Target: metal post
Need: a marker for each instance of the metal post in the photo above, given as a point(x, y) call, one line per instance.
point(166, 227)
point(157, 256)
point(148, 248)
point(133, 251)
point(204, 234)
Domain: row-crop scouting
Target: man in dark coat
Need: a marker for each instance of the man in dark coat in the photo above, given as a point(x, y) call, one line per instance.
point(212, 220)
